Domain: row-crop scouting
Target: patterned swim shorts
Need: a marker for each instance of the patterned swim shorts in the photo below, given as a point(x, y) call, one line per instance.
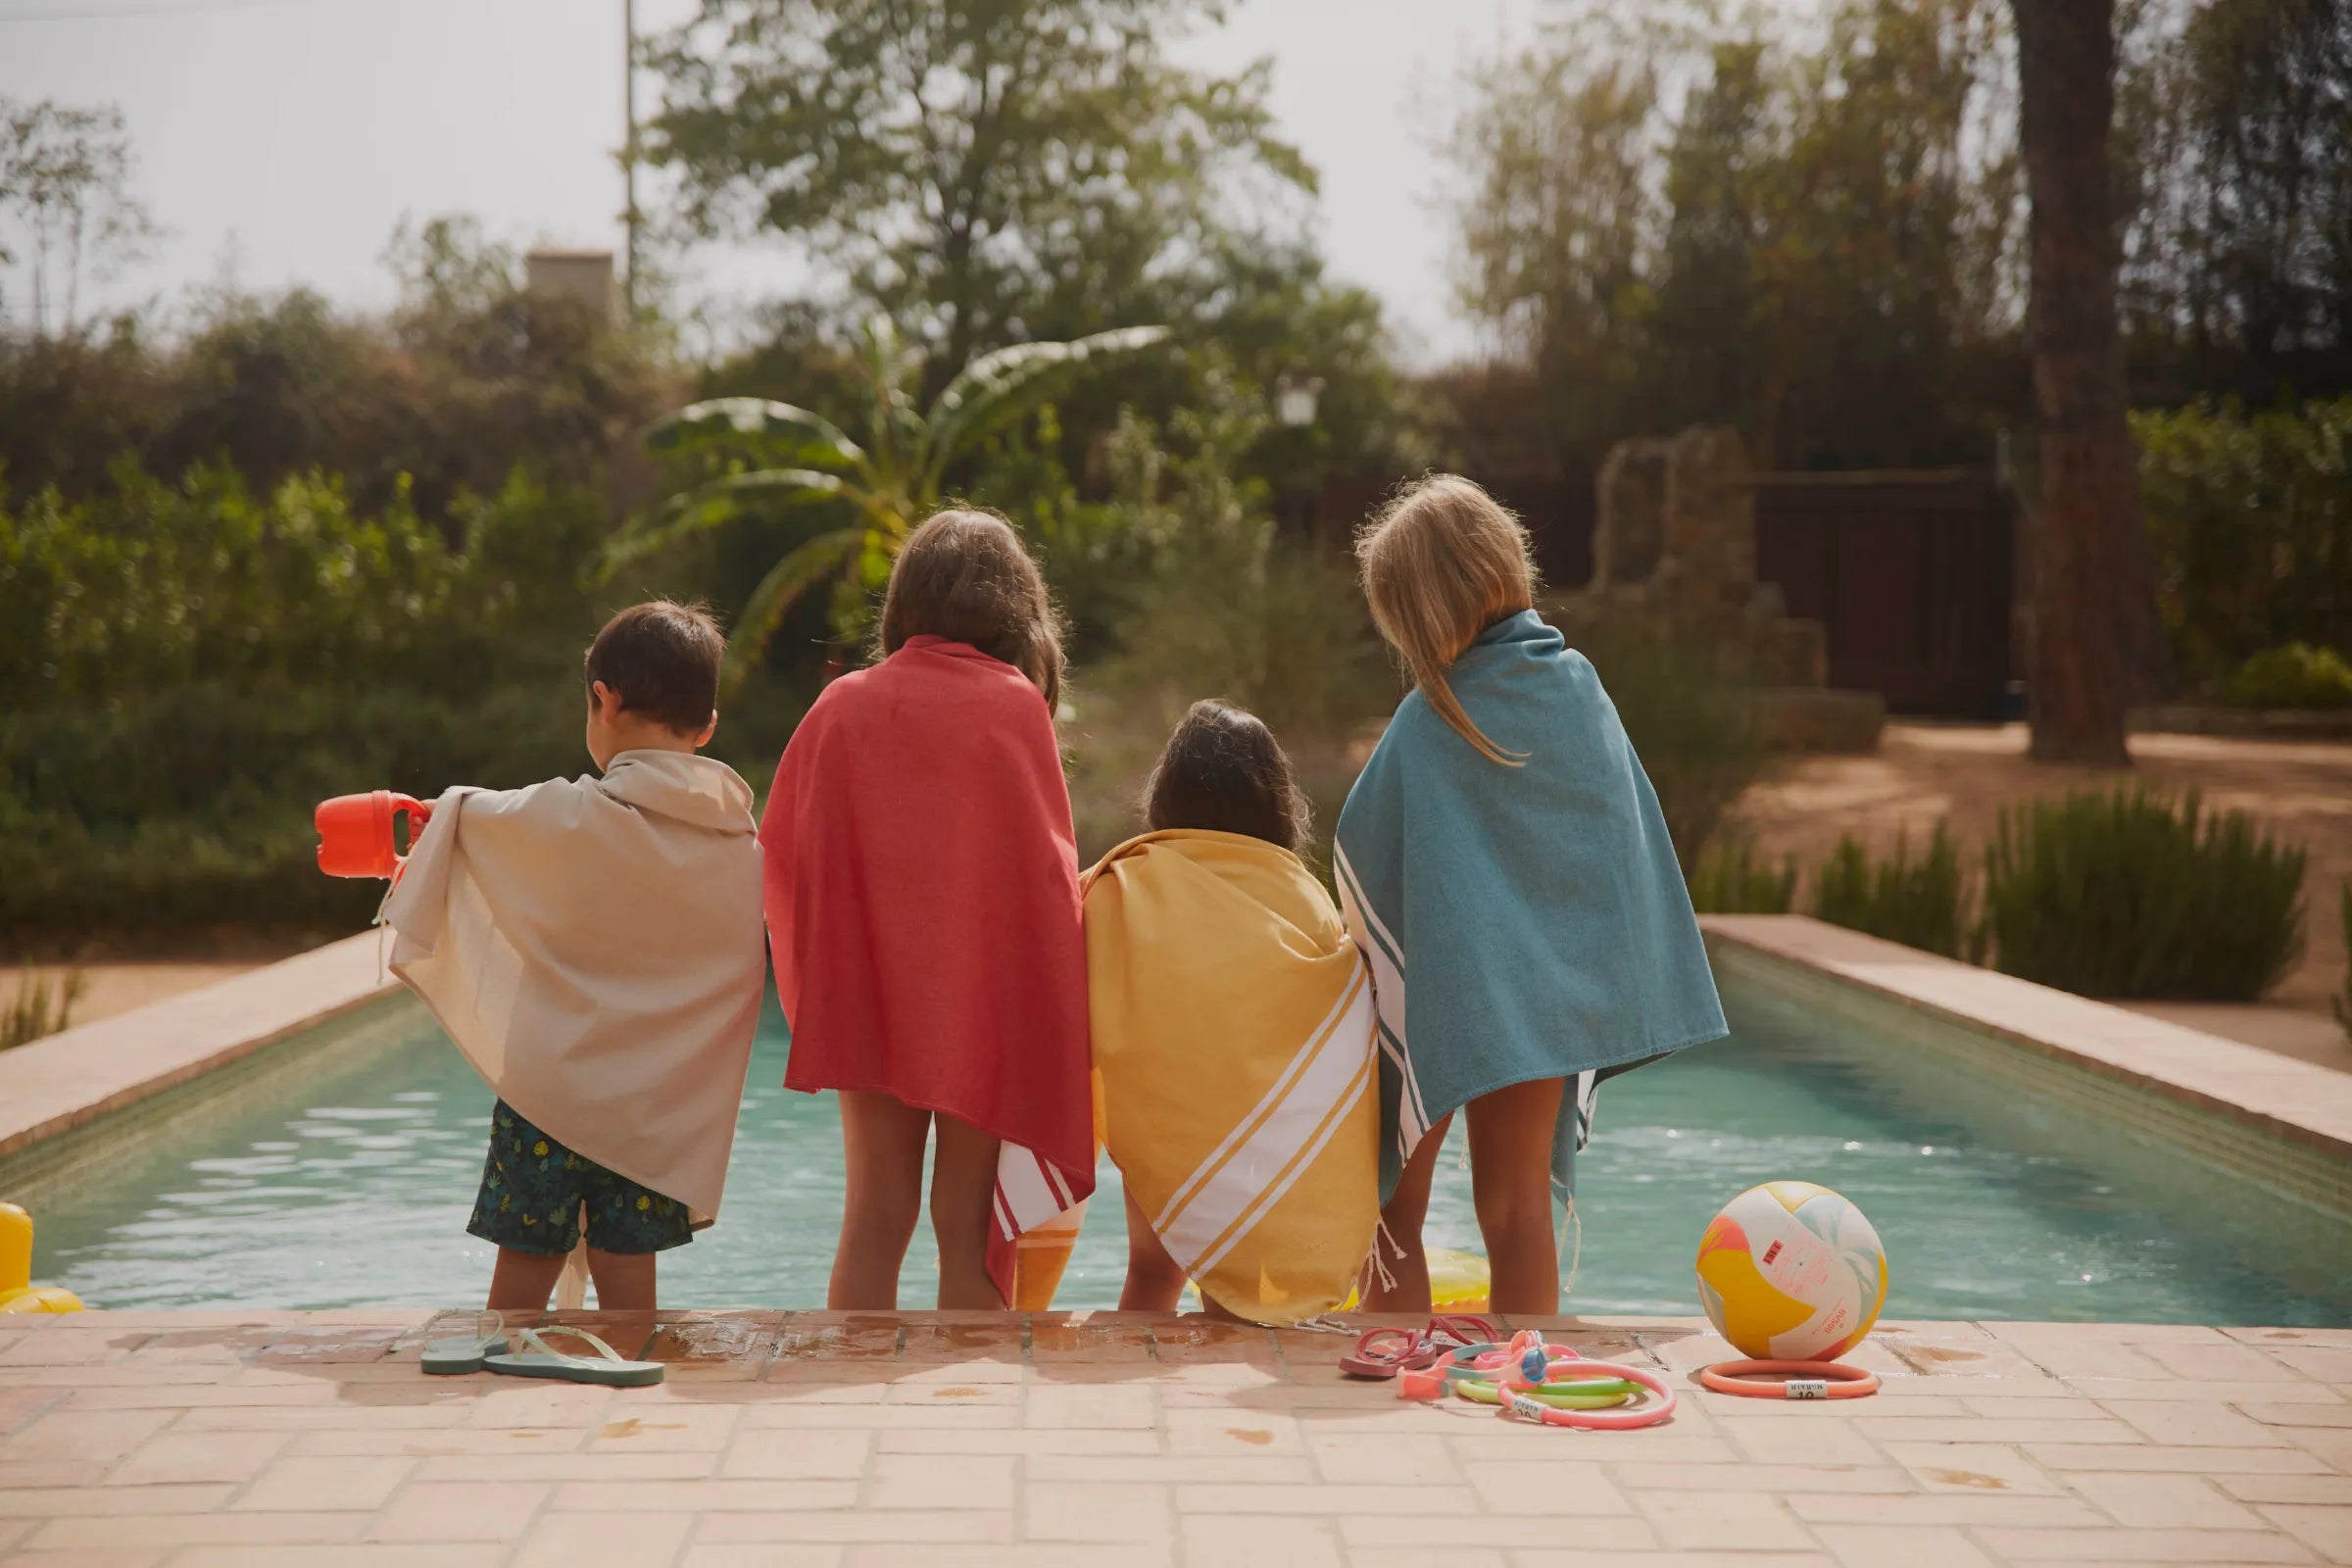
point(533, 1189)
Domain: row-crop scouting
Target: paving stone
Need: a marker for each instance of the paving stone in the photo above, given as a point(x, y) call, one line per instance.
point(1413, 1458)
point(939, 1480)
point(232, 1457)
point(2158, 1501)
point(1096, 1510)
point(2141, 1547)
point(1945, 1508)
point(1221, 1540)
point(446, 1510)
point(769, 1554)
point(2198, 1424)
point(357, 1554)
point(858, 1525)
point(2172, 1459)
point(1973, 1467)
point(1547, 1486)
point(1912, 1545)
point(2326, 1529)
point(791, 1455)
point(583, 1540)
point(312, 1530)
point(313, 1484)
point(2328, 1488)
point(1436, 1536)
point(1725, 1521)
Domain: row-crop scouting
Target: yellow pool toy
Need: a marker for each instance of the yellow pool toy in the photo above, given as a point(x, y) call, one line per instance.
point(17, 1292)
point(1458, 1282)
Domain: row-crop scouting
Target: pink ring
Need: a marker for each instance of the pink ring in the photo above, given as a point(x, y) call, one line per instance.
point(1800, 1380)
point(1648, 1414)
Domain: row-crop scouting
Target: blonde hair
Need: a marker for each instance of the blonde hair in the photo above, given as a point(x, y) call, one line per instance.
point(1442, 561)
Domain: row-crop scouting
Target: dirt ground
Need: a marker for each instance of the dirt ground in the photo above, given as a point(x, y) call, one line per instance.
point(1963, 775)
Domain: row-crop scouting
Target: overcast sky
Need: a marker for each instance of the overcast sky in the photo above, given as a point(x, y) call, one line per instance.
point(283, 139)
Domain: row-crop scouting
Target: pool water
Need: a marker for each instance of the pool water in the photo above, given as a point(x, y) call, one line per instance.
point(348, 1182)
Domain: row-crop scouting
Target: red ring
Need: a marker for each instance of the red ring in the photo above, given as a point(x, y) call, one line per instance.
point(1821, 1380)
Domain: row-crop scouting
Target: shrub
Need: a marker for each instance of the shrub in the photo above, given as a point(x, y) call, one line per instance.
point(2297, 675)
point(1731, 878)
point(42, 1005)
point(2251, 516)
point(1917, 905)
point(2343, 1002)
point(154, 585)
point(1693, 727)
point(2133, 895)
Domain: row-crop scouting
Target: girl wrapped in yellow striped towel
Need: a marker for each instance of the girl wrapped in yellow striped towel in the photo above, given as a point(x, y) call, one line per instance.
point(1232, 1022)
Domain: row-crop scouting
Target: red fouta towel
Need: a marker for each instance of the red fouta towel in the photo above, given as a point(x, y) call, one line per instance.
point(923, 912)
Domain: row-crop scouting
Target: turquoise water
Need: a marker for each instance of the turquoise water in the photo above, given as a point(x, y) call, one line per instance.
point(348, 1180)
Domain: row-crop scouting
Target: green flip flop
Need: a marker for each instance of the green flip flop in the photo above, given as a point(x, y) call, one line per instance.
point(540, 1359)
point(455, 1355)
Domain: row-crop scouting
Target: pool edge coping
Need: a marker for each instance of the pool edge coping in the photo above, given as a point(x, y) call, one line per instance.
point(2297, 1100)
point(68, 1080)
point(50, 1086)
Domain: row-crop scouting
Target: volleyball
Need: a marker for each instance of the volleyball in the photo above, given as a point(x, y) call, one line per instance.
point(1791, 1272)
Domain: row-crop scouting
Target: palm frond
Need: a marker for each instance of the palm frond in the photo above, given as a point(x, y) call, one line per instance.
point(707, 506)
point(998, 388)
point(778, 592)
point(807, 437)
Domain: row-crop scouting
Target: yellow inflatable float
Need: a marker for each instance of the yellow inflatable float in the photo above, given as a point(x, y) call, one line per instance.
point(17, 1292)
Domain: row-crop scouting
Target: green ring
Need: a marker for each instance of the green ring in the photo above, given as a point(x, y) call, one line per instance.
point(1590, 1394)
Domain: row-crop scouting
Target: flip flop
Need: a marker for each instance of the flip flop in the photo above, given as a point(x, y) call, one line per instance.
point(541, 1360)
point(461, 1353)
point(1381, 1354)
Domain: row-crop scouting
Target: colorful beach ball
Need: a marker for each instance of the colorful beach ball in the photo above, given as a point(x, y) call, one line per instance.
point(1791, 1272)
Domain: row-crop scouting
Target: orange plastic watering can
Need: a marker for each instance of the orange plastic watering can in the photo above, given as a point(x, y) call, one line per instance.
point(355, 832)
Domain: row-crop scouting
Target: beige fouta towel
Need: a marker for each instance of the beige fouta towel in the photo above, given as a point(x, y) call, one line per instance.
point(595, 947)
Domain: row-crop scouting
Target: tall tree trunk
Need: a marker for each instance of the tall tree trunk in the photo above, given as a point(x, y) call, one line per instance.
point(2093, 594)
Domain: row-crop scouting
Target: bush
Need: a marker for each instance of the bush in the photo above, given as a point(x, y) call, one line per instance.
point(1732, 879)
point(154, 585)
point(1693, 727)
point(1916, 905)
point(40, 1006)
point(2132, 895)
point(2343, 1002)
point(2297, 675)
point(2251, 516)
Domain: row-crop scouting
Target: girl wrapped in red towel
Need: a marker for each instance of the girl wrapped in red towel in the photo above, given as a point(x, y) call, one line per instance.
point(922, 908)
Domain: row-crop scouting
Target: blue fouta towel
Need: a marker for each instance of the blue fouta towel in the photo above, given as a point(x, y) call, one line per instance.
point(1521, 922)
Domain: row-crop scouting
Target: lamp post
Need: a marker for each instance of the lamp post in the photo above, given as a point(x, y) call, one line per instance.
point(628, 151)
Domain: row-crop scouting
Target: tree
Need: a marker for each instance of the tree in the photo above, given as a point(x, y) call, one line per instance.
point(2094, 629)
point(875, 492)
point(65, 182)
point(964, 169)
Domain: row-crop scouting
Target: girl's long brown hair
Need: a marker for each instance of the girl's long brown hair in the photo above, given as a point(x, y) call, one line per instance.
point(964, 575)
point(1443, 561)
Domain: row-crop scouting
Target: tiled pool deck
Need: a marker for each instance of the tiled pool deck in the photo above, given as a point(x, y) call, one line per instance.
point(808, 1440)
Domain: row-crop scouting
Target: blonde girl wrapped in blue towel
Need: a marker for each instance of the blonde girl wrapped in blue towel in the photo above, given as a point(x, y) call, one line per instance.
point(1503, 864)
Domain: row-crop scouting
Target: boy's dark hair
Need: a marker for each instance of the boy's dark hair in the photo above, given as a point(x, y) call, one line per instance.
point(1224, 770)
point(964, 576)
point(663, 659)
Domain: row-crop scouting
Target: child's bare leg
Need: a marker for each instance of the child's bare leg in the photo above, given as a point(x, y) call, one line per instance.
point(1402, 1214)
point(521, 1282)
point(1511, 1133)
point(882, 1140)
point(1154, 1283)
point(624, 1281)
point(963, 1190)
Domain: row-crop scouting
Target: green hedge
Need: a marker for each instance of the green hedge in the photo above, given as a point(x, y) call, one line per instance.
point(2251, 514)
point(1732, 878)
point(1917, 904)
point(2133, 895)
point(2297, 675)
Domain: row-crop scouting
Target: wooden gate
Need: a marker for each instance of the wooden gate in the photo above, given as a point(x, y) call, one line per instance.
point(1909, 572)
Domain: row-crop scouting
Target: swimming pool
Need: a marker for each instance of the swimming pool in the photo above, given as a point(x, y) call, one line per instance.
point(341, 1172)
